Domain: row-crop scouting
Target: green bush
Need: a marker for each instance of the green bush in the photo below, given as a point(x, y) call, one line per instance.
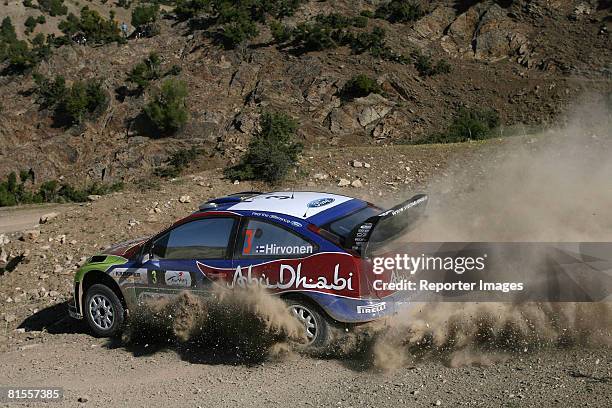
point(13, 192)
point(93, 26)
point(145, 72)
point(50, 92)
point(83, 100)
point(53, 7)
point(19, 55)
point(272, 151)
point(400, 11)
point(235, 21)
point(426, 67)
point(177, 162)
point(168, 110)
point(30, 24)
point(359, 86)
point(468, 124)
point(28, 3)
point(144, 14)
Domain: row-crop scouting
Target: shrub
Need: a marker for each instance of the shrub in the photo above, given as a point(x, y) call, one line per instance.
point(50, 92)
point(424, 64)
point(145, 72)
point(30, 24)
point(271, 153)
point(468, 124)
point(177, 162)
point(168, 111)
point(28, 3)
point(236, 32)
point(13, 192)
point(19, 55)
point(53, 7)
point(400, 11)
point(359, 86)
point(84, 100)
point(144, 14)
point(93, 26)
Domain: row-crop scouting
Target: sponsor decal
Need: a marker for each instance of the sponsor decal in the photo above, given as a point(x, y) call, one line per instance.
point(404, 208)
point(373, 308)
point(273, 249)
point(177, 278)
point(276, 218)
point(290, 277)
point(134, 275)
point(326, 272)
point(320, 202)
point(154, 277)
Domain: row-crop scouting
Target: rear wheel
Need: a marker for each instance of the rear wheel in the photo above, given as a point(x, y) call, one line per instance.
point(317, 327)
point(103, 311)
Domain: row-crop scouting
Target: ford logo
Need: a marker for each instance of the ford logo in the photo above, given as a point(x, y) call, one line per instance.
point(320, 202)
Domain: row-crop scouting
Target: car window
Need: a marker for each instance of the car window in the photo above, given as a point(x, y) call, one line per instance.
point(200, 239)
point(266, 239)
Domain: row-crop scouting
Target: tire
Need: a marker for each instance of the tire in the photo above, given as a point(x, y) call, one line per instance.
point(103, 311)
point(316, 324)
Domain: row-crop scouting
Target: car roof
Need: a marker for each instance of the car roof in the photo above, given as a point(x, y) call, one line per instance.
point(316, 207)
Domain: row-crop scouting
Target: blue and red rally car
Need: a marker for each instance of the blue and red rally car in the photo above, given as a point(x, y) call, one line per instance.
point(306, 247)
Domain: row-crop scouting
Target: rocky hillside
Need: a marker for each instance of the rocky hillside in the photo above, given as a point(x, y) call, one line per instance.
point(527, 60)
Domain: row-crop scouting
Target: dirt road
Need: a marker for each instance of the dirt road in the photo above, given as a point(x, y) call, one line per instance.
point(21, 218)
point(41, 346)
point(93, 371)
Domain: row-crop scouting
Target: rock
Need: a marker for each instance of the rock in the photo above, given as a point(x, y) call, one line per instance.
point(93, 197)
point(3, 257)
point(357, 183)
point(10, 317)
point(20, 330)
point(43, 276)
point(320, 176)
point(438, 403)
point(374, 107)
point(30, 235)
point(357, 163)
point(366, 165)
point(343, 183)
point(433, 24)
point(236, 182)
point(54, 293)
point(83, 399)
point(4, 240)
point(132, 222)
point(45, 218)
point(184, 199)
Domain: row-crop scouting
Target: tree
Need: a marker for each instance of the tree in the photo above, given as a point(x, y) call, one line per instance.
point(53, 7)
point(144, 14)
point(359, 86)
point(272, 151)
point(30, 24)
point(93, 26)
point(145, 72)
point(168, 111)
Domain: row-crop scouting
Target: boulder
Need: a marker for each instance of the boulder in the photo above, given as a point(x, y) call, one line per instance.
point(45, 218)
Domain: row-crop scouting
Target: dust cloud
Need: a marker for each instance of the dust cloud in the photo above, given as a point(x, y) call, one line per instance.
point(551, 187)
point(249, 324)
point(554, 186)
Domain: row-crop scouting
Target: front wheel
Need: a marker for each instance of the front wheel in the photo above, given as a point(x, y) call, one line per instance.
point(103, 311)
point(318, 330)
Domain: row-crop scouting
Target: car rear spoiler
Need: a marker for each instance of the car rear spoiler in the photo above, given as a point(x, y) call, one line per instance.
point(389, 224)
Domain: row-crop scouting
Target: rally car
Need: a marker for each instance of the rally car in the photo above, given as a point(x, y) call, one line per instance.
point(309, 248)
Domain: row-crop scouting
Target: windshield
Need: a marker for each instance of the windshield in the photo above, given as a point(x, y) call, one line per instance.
point(343, 227)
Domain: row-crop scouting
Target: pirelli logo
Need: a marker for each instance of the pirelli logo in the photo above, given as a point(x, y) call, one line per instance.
point(373, 308)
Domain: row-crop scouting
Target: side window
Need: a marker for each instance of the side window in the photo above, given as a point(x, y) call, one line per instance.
point(201, 239)
point(266, 239)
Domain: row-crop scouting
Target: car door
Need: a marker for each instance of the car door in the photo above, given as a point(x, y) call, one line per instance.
point(262, 249)
point(175, 257)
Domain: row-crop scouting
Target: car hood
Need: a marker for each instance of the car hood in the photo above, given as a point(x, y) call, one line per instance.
point(126, 249)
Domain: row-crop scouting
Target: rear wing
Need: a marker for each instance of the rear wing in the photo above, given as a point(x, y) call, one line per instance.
point(388, 225)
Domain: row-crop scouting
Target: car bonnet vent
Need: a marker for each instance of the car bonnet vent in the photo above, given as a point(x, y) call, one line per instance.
point(98, 258)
